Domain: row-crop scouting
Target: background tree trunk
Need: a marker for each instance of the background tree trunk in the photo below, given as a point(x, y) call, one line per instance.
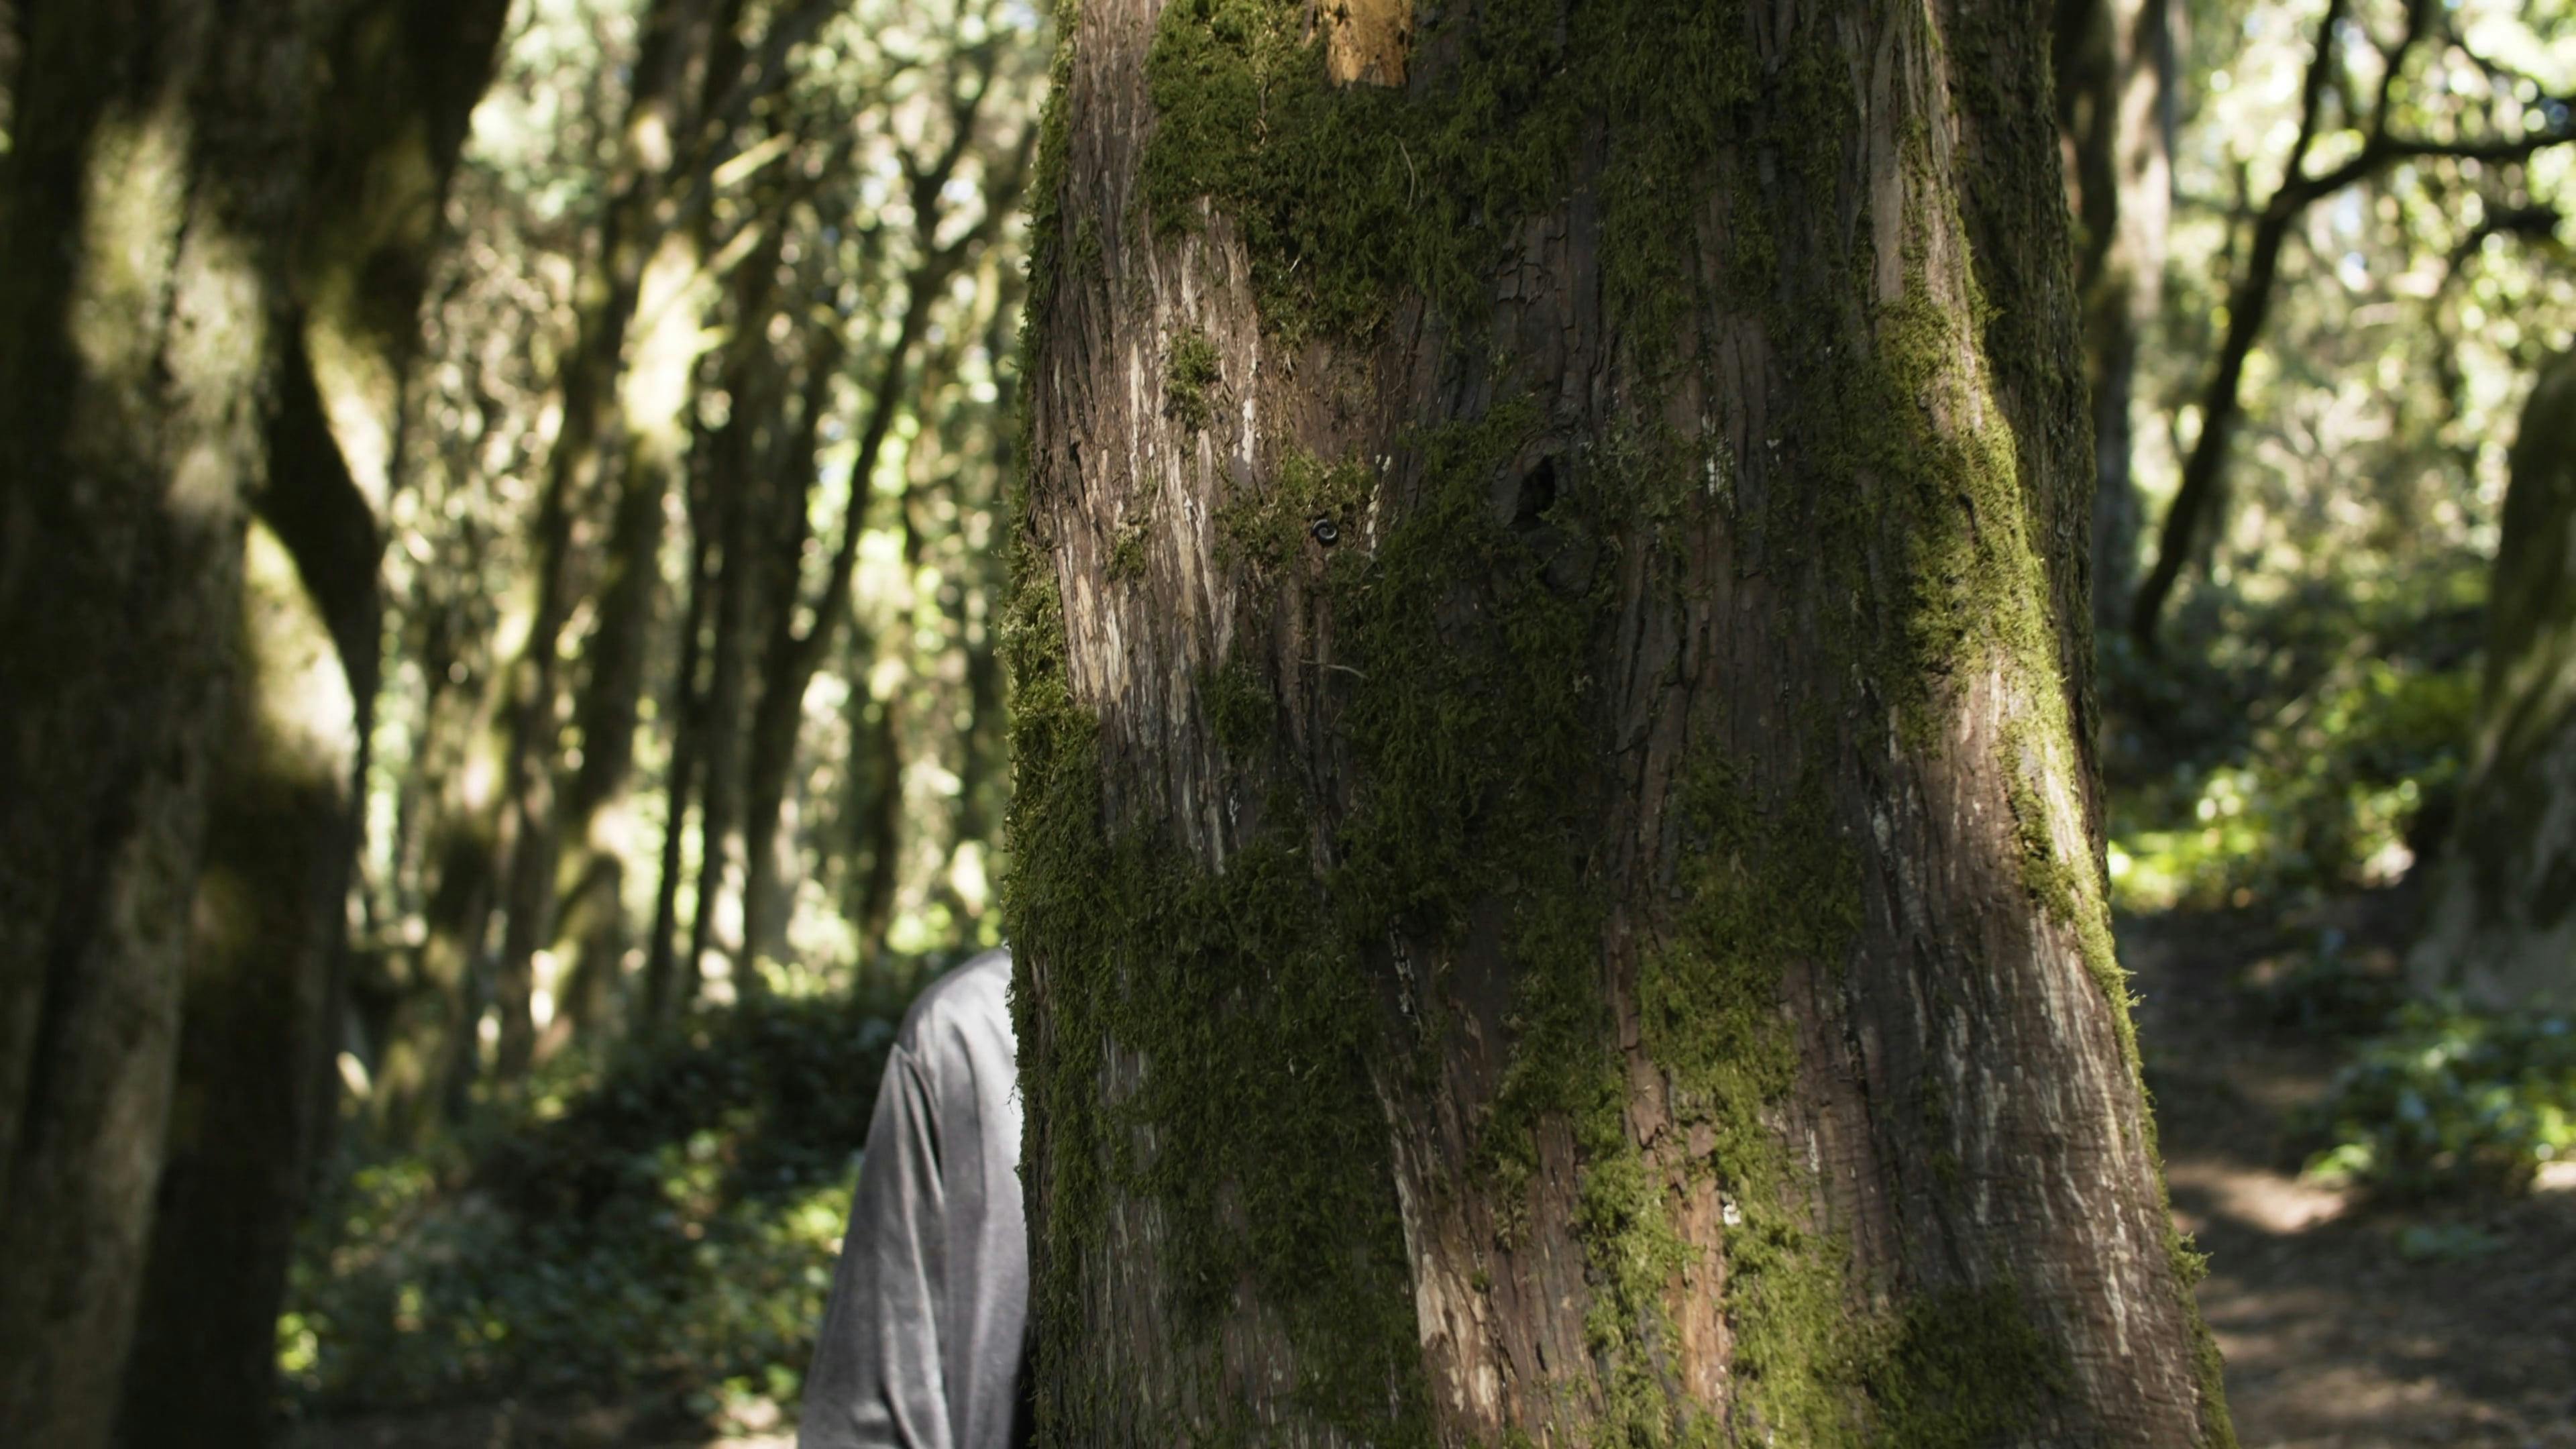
point(793, 654)
point(589, 910)
point(254, 1085)
point(155, 173)
point(2503, 927)
point(2116, 78)
point(688, 728)
point(1556, 877)
point(680, 39)
point(761, 483)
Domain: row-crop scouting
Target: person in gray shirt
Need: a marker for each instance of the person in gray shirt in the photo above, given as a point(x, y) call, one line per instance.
point(923, 1344)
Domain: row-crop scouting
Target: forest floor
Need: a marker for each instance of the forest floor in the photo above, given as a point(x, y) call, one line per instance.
point(2346, 1325)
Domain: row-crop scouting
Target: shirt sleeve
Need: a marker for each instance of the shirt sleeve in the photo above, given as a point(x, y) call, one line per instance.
point(924, 1342)
point(877, 1380)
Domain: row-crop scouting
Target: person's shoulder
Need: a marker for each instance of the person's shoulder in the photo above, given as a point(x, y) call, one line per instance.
point(971, 998)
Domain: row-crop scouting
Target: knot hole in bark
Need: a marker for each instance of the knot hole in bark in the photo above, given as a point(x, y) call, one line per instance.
point(1537, 494)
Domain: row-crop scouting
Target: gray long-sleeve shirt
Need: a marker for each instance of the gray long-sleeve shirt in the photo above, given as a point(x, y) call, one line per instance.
point(922, 1345)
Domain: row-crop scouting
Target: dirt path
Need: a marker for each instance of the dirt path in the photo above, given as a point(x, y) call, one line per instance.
point(2345, 1326)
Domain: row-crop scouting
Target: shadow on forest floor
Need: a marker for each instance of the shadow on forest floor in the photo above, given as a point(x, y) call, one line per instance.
point(2346, 1325)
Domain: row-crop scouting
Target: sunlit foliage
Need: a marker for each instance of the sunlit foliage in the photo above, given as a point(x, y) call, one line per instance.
point(2314, 692)
point(665, 1230)
point(2449, 1100)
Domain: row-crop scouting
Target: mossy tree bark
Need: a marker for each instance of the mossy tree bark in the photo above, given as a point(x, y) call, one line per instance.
point(1556, 869)
point(2503, 927)
point(267, 939)
point(147, 203)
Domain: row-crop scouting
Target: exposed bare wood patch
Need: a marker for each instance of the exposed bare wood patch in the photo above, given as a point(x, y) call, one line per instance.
point(1366, 42)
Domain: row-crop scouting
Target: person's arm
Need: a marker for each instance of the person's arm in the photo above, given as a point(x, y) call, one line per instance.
point(877, 1382)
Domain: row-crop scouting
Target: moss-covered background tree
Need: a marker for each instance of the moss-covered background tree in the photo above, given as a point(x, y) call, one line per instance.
point(252, 1101)
point(2503, 924)
point(147, 207)
point(1557, 856)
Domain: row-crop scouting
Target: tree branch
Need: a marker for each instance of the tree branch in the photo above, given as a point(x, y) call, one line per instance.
point(2250, 300)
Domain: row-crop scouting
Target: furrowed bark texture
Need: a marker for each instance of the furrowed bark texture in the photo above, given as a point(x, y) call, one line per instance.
point(1555, 850)
point(2503, 927)
point(155, 171)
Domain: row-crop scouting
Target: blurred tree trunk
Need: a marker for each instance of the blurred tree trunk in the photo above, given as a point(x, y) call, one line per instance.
point(2115, 107)
point(688, 729)
point(269, 933)
point(155, 176)
point(2503, 924)
point(427, 1058)
point(975, 615)
point(793, 654)
point(679, 39)
point(590, 927)
point(760, 482)
point(252, 1094)
point(881, 823)
point(1556, 860)
point(770, 455)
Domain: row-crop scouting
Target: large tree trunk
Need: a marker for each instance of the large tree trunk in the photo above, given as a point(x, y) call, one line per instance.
point(1556, 855)
point(248, 1107)
point(2503, 927)
point(155, 172)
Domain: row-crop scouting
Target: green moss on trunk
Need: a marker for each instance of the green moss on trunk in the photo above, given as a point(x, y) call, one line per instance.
point(1466, 644)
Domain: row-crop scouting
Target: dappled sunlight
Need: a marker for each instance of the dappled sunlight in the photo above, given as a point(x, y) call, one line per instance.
point(2267, 1201)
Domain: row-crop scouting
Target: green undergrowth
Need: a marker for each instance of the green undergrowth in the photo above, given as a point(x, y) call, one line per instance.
point(659, 1229)
point(2447, 1101)
point(2341, 781)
